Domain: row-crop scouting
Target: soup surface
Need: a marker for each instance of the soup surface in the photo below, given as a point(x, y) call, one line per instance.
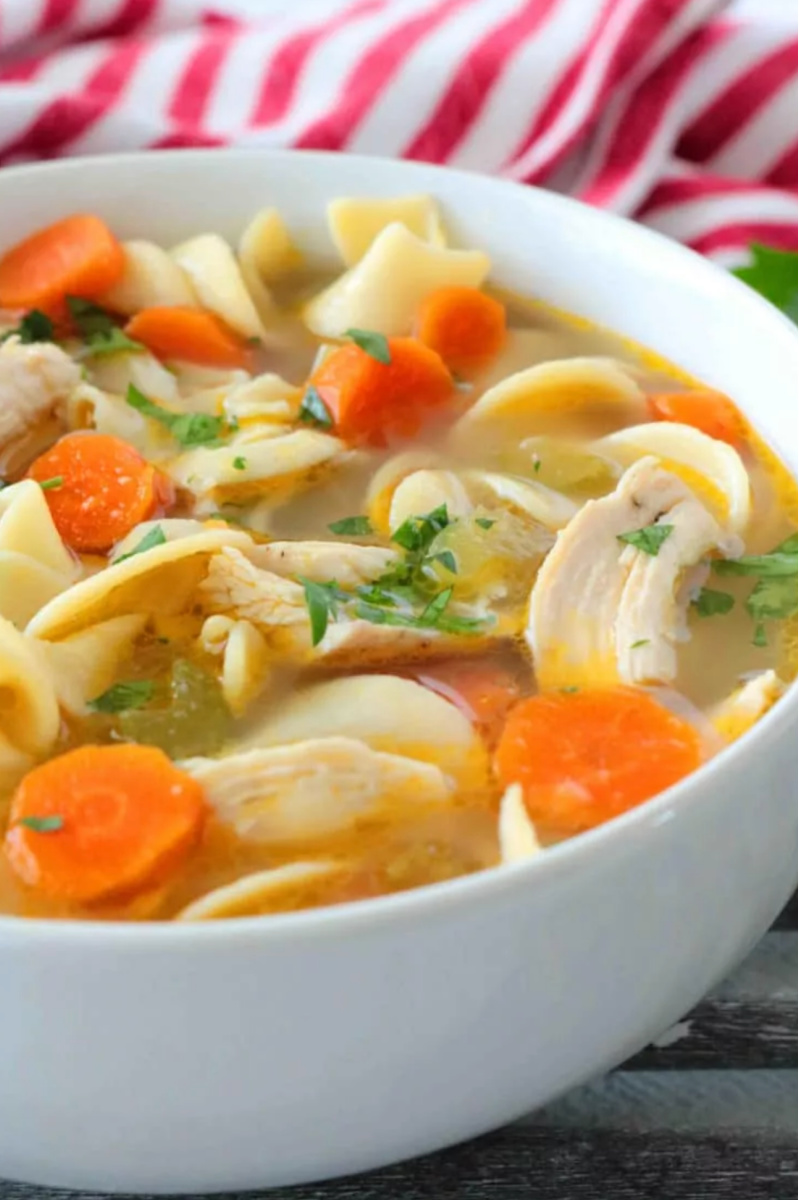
point(319, 584)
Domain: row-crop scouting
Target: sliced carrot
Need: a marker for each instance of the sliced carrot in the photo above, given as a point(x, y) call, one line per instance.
point(97, 488)
point(587, 756)
point(190, 335)
point(374, 402)
point(709, 412)
point(484, 691)
point(78, 256)
point(462, 324)
point(103, 821)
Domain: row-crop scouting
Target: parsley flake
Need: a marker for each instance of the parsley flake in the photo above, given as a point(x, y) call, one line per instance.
point(189, 429)
point(50, 485)
point(416, 533)
point(373, 344)
point(352, 527)
point(648, 540)
point(710, 603)
point(99, 330)
point(154, 537)
point(49, 824)
point(239, 463)
point(774, 596)
point(314, 411)
point(484, 522)
point(35, 326)
point(134, 693)
point(447, 560)
point(640, 642)
point(322, 601)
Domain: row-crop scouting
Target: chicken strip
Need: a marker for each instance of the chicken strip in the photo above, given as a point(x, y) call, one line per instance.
point(602, 611)
point(35, 381)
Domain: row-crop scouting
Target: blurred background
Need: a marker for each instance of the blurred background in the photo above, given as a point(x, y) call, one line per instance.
point(681, 113)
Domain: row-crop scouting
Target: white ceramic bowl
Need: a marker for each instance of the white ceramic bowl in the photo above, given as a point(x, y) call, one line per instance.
point(260, 1052)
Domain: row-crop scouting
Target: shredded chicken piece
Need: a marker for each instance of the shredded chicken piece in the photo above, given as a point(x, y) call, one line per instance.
point(35, 381)
point(315, 787)
point(346, 562)
point(603, 612)
point(235, 586)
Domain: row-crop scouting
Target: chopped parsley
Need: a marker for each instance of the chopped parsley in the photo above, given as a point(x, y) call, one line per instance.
point(239, 463)
point(322, 601)
point(774, 596)
point(406, 595)
point(373, 344)
point(189, 429)
point(772, 273)
point(49, 824)
point(710, 603)
point(49, 485)
point(447, 560)
point(35, 326)
point(648, 540)
point(154, 537)
point(314, 411)
point(123, 696)
point(98, 329)
point(352, 527)
point(640, 642)
point(417, 533)
point(759, 639)
point(484, 522)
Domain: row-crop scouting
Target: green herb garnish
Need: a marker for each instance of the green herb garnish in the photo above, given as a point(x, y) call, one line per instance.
point(774, 596)
point(416, 533)
point(322, 601)
point(640, 642)
point(352, 527)
point(759, 639)
point(189, 429)
point(314, 411)
point(373, 344)
point(43, 824)
point(772, 273)
point(710, 603)
point(154, 537)
point(239, 463)
point(134, 693)
point(49, 485)
point(447, 560)
point(35, 326)
point(648, 540)
point(99, 330)
point(484, 522)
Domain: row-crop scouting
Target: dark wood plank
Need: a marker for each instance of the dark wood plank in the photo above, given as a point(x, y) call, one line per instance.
point(727, 1033)
point(526, 1163)
point(787, 918)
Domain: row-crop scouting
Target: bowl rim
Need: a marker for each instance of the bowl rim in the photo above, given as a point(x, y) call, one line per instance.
point(365, 916)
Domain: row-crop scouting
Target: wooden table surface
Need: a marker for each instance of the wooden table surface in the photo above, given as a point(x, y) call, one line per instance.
point(707, 1114)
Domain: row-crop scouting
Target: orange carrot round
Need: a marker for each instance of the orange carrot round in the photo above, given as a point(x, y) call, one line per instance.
point(374, 402)
point(190, 335)
point(78, 256)
point(462, 324)
point(97, 488)
point(709, 412)
point(587, 756)
point(102, 822)
point(483, 691)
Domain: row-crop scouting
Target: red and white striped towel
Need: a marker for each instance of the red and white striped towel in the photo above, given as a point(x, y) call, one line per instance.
point(679, 112)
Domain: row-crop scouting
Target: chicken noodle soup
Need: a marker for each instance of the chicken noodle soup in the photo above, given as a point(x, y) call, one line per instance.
point(318, 585)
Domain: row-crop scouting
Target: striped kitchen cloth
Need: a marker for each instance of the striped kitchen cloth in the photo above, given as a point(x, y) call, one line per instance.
point(681, 113)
